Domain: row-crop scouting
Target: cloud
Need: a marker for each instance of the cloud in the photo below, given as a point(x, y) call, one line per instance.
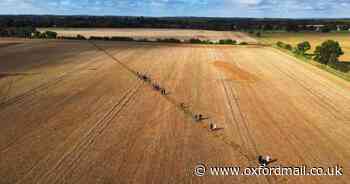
point(230, 8)
point(248, 2)
point(19, 7)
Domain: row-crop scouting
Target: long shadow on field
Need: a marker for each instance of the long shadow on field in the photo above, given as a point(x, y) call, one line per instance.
point(343, 66)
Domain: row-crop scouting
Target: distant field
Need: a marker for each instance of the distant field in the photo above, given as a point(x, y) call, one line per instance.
point(153, 34)
point(314, 39)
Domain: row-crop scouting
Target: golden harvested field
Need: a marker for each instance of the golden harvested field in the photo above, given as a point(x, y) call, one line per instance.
point(315, 39)
point(71, 114)
point(153, 34)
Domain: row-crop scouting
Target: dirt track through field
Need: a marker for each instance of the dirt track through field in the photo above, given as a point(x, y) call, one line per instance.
point(87, 119)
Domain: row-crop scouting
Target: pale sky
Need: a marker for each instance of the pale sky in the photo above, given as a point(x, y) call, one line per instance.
point(203, 8)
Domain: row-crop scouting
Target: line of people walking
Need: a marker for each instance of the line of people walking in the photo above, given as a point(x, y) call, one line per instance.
point(155, 85)
point(263, 161)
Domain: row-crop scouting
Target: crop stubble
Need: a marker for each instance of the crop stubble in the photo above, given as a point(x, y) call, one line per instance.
point(93, 121)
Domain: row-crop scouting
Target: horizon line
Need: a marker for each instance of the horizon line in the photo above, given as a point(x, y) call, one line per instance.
point(146, 16)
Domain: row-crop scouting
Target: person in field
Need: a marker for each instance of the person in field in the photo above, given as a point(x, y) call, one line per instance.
point(198, 117)
point(264, 161)
point(163, 92)
point(156, 87)
point(212, 126)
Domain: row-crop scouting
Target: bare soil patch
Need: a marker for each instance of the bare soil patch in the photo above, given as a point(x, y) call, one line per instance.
point(235, 73)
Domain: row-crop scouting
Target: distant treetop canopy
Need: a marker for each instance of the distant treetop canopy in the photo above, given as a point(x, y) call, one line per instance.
point(225, 24)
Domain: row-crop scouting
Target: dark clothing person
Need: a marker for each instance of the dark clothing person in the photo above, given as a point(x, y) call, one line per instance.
point(264, 161)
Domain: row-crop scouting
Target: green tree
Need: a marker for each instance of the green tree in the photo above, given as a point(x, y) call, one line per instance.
point(80, 37)
point(258, 34)
point(280, 44)
point(288, 47)
point(50, 34)
point(24, 32)
point(328, 52)
point(228, 42)
point(195, 41)
point(326, 29)
point(37, 34)
point(303, 47)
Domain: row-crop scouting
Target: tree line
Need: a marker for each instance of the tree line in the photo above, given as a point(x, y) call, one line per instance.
point(29, 32)
point(207, 23)
point(327, 53)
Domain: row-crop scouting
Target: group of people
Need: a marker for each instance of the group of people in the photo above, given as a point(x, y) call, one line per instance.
point(155, 86)
point(158, 88)
point(200, 117)
point(143, 77)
